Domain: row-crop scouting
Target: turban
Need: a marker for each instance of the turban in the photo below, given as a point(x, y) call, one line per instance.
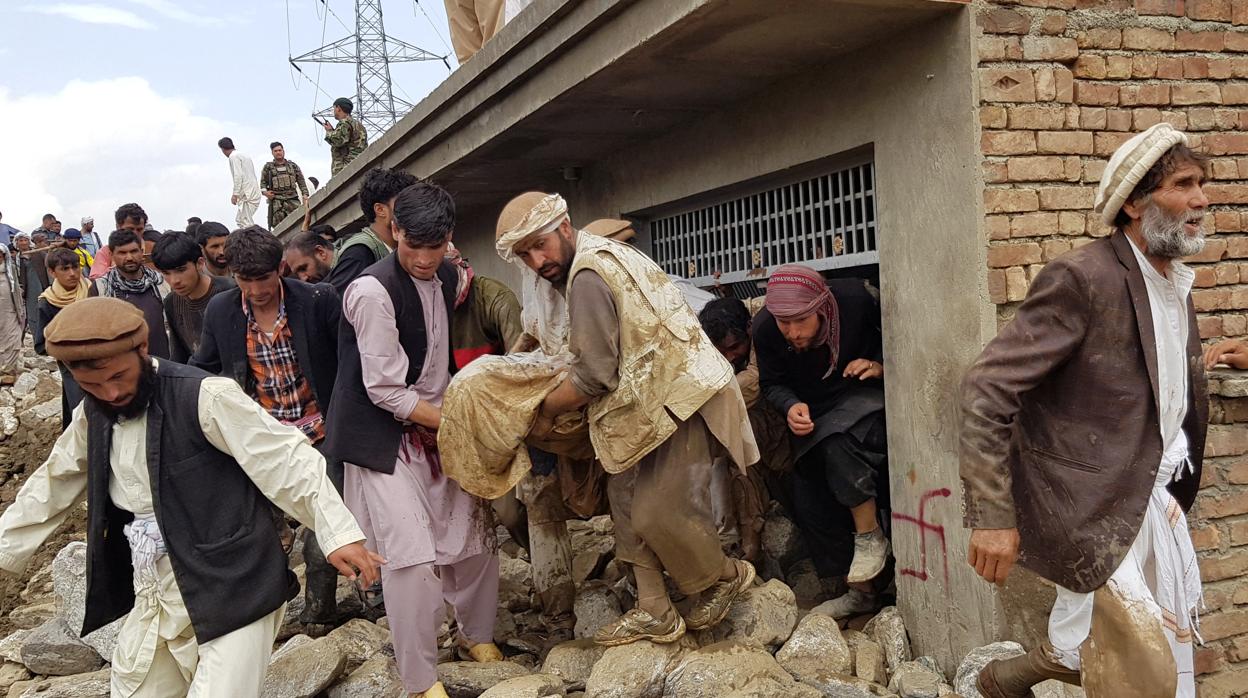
point(532, 213)
point(620, 231)
point(95, 328)
point(796, 291)
point(87, 219)
point(1129, 164)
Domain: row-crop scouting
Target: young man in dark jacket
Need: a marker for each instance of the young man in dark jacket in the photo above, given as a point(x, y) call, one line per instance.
point(278, 339)
point(180, 259)
point(368, 246)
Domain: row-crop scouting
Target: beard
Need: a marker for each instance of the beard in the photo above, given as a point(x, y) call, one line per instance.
point(142, 395)
point(1167, 236)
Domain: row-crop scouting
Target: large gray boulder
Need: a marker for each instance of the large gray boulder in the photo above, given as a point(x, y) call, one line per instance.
point(376, 678)
point(720, 669)
point(515, 584)
point(763, 614)
point(916, 680)
point(471, 679)
point(305, 670)
point(888, 629)
point(69, 580)
point(90, 685)
point(531, 686)
point(816, 647)
point(54, 650)
point(573, 661)
point(359, 640)
point(869, 662)
point(596, 605)
point(11, 646)
point(636, 670)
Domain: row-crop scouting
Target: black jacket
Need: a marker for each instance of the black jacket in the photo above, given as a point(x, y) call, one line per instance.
point(223, 547)
point(312, 313)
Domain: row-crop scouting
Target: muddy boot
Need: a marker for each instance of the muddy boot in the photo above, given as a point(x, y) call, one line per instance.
point(640, 625)
point(320, 588)
point(717, 601)
point(558, 616)
point(1014, 677)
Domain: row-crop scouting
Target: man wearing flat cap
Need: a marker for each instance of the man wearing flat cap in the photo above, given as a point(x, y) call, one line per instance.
point(176, 466)
point(1083, 429)
point(346, 140)
point(661, 401)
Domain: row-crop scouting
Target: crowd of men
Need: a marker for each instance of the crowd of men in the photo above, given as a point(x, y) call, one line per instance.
point(218, 385)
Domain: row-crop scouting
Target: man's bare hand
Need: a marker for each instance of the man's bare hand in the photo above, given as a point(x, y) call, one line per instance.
point(993, 552)
point(799, 419)
point(353, 559)
point(268, 194)
point(1232, 352)
point(233, 199)
point(426, 415)
point(862, 369)
point(328, 128)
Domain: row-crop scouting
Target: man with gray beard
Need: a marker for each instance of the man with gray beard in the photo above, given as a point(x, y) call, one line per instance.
point(1083, 430)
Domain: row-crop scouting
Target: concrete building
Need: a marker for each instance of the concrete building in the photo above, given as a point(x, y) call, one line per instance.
point(945, 148)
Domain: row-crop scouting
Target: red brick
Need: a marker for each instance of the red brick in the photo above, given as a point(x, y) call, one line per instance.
point(1104, 144)
point(1227, 193)
point(1065, 198)
point(1227, 441)
point(1144, 65)
point(1037, 117)
point(1147, 39)
point(1209, 327)
point(1226, 221)
point(1037, 169)
point(992, 116)
point(996, 285)
point(1033, 225)
point(998, 227)
point(1007, 85)
point(1049, 48)
point(1000, 20)
point(1195, 67)
point(1237, 41)
point(1226, 143)
point(1221, 68)
point(995, 172)
point(1216, 626)
point(1239, 650)
point(1209, 10)
point(1010, 200)
point(1065, 83)
point(1016, 284)
point(1142, 119)
point(1053, 24)
point(1008, 142)
point(1189, 93)
point(1214, 251)
point(1064, 142)
point(1210, 300)
point(1169, 68)
point(1206, 660)
point(1100, 37)
point(1227, 274)
point(1118, 67)
point(1091, 66)
point(1095, 93)
point(1219, 505)
point(1236, 93)
point(991, 49)
point(1092, 118)
point(1237, 247)
point(1225, 684)
point(1071, 223)
point(1199, 41)
point(1205, 278)
point(1118, 120)
point(1239, 12)
point(1173, 8)
point(1134, 95)
point(1239, 532)
point(1000, 256)
point(1052, 249)
point(1206, 537)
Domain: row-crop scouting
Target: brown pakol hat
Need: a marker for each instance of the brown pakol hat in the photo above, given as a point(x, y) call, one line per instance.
point(95, 328)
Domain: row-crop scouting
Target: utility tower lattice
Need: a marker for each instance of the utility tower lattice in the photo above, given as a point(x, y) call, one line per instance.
point(372, 52)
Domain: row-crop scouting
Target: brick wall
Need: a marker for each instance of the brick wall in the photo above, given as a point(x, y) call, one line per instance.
point(1062, 84)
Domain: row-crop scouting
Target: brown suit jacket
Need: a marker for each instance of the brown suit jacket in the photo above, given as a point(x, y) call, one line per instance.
point(1060, 434)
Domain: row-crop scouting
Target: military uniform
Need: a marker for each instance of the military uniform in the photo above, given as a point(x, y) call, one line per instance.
point(282, 179)
point(346, 142)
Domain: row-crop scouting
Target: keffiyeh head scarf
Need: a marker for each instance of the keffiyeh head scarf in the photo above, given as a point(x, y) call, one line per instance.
point(544, 215)
point(115, 283)
point(794, 292)
point(463, 270)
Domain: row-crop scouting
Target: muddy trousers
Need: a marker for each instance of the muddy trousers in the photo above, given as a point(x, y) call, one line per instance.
point(662, 510)
point(320, 589)
point(416, 598)
point(835, 475)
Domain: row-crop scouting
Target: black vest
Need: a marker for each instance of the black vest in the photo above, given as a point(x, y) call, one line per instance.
point(358, 431)
point(223, 548)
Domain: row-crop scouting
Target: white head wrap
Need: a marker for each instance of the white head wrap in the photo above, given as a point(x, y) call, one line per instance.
point(1129, 164)
point(544, 217)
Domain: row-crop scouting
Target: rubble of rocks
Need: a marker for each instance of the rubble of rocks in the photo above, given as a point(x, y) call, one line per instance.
point(776, 641)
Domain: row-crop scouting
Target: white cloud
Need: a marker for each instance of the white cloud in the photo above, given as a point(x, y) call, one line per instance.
point(160, 152)
point(93, 14)
point(170, 10)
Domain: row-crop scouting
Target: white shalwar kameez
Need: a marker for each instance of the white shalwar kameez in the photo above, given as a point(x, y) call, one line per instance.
point(246, 188)
point(1159, 571)
point(157, 655)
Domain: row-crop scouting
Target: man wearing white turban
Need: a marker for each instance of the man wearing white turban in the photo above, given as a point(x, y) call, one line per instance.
point(1083, 431)
point(661, 403)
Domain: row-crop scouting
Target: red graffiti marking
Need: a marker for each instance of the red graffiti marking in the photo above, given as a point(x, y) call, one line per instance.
point(926, 527)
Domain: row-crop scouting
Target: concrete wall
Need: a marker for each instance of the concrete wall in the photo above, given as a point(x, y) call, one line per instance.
point(914, 101)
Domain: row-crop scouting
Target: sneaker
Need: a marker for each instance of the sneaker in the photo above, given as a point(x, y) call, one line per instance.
point(717, 600)
point(870, 555)
point(852, 603)
point(640, 625)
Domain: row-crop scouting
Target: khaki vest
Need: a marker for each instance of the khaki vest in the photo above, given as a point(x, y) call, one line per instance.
point(667, 363)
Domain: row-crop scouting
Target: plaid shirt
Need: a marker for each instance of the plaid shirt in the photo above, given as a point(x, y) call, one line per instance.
point(280, 387)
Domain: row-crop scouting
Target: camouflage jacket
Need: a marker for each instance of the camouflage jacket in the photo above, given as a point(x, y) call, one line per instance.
point(284, 180)
point(346, 142)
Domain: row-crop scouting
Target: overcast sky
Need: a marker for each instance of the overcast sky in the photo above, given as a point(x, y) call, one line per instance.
point(110, 101)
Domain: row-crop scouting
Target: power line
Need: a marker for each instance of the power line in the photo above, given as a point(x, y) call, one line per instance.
point(417, 6)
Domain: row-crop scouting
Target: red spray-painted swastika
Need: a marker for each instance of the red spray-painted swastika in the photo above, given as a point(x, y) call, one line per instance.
point(926, 527)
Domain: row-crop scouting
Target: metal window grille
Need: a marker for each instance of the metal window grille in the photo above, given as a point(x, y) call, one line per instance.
point(827, 222)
